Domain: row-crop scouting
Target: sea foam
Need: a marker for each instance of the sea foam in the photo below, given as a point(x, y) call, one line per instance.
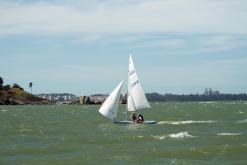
point(180, 135)
point(228, 134)
point(242, 121)
point(159, 137)
point(25, 130)
point(186, 122)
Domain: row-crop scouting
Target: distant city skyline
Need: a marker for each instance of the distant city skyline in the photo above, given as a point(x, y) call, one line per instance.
point(82, 47)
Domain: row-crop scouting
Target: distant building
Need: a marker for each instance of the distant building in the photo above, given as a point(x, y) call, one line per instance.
point(70, 98)
point(98, 99)
point(59, 97)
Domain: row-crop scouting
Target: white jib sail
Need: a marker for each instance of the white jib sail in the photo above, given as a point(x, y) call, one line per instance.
point(109, 108)
point(136, 96)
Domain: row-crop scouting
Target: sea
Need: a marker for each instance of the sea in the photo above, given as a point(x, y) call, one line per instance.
point(200, 133)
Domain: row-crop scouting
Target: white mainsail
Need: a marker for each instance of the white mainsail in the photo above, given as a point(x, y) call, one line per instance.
point(109, 108)
point(136, 96)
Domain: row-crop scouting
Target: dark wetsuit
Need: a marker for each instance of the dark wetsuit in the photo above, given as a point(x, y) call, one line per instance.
point(140, 118)
point(133, 117)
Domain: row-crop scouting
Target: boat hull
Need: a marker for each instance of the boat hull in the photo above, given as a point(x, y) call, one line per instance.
point(131, 122)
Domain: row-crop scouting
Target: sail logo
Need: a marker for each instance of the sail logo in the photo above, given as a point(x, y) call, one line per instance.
point(132, 72)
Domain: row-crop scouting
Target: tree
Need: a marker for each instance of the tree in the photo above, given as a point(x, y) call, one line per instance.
point(15, 85)
point(88, 100)
point(1, 82)
point(6, 87)
point(30, 86)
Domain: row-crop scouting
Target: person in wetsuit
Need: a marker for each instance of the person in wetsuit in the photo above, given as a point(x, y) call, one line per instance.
point(133, 117)
point(137, 118)
point(140, 118)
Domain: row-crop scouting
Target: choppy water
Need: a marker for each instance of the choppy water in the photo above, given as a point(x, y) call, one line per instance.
point(187, 133)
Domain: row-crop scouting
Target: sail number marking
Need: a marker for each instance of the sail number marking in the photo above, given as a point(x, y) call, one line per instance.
point(132, 72)
point(134, 83)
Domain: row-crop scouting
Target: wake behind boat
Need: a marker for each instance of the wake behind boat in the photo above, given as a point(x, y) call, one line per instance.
point(136, 100)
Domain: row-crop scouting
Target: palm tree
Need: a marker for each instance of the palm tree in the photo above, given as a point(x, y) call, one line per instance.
point(30, 86)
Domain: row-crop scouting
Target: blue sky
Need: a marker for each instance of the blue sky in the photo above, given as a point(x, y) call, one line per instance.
point(82, 47)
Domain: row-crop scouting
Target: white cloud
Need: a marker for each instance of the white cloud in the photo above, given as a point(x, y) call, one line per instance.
point(163, 43)
point(230, 62)
point(222, 75)
point(171, 43)
point(88, 39)
point(221, 42)
point(68, 73)
point(200, 16)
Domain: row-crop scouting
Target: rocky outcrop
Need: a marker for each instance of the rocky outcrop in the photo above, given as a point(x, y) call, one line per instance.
point(17, 96)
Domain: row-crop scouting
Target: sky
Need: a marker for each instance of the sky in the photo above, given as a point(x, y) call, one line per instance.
point(82, 46)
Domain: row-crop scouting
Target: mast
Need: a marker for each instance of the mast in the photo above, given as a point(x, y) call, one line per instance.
point(126, 109)
point(127, 96)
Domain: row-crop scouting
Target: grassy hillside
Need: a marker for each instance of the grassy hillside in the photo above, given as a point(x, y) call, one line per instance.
point(19, 96)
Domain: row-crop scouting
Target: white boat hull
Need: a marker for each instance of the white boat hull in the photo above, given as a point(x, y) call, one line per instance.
point(131, 122)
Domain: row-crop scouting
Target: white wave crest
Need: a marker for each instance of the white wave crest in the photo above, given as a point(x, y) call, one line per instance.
point(242, 121)
point(207, 102)
point(245, 144)
point(159, 137)
point(228, 134)
point(186, 122)
point(25, 130)
point(4, 110)
point(180, 135)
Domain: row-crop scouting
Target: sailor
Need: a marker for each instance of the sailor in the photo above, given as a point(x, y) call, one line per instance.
point(133, 117)
point(140, 118)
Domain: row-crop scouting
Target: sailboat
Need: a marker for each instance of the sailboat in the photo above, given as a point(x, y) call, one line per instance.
point(136, 98)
